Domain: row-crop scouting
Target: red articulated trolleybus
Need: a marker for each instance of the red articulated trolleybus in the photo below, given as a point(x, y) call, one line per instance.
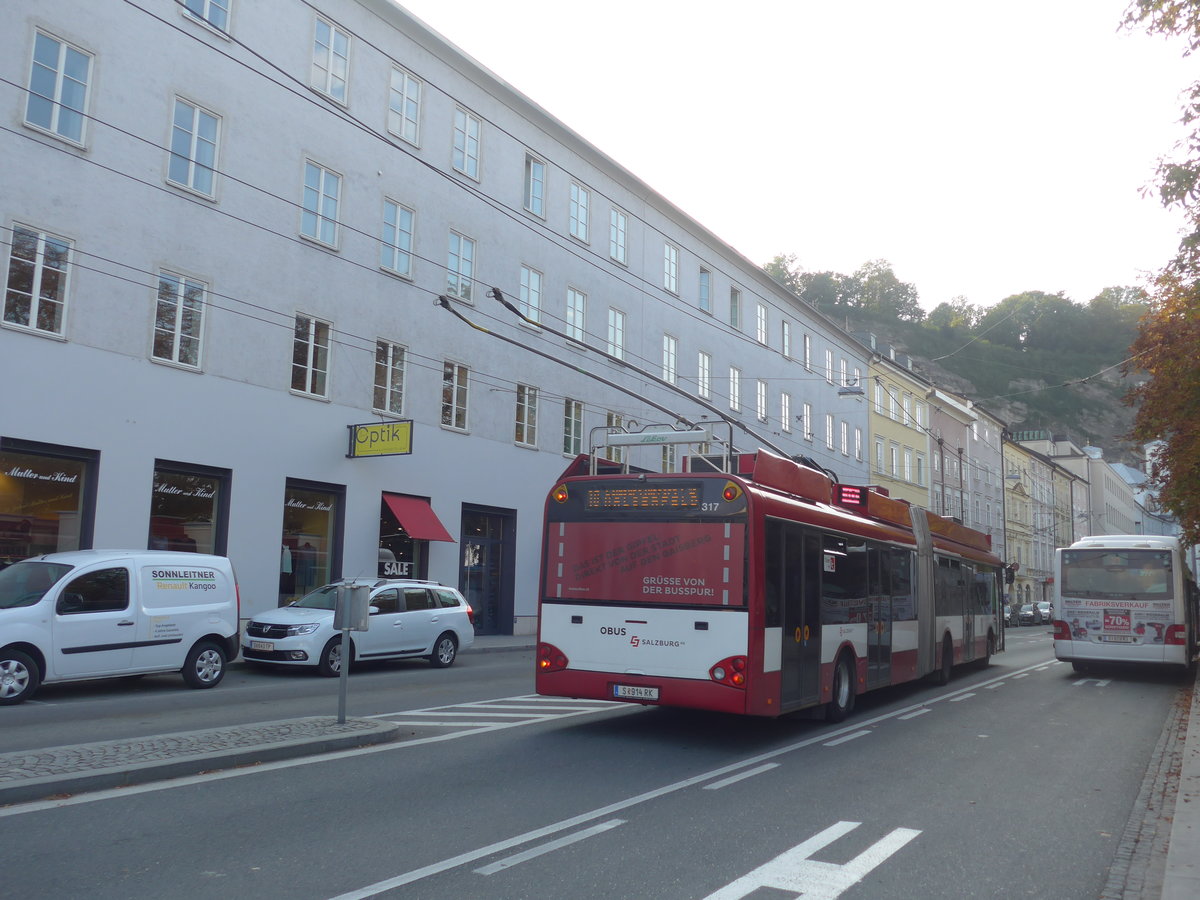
point(751, 584)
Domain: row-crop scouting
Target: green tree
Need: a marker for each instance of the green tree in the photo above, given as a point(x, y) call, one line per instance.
point(880, 291)
point(786, 269)
point(1168, 402)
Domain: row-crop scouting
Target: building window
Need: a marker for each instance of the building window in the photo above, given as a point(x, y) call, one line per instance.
point(704, 298)
point(845, 372)
point(894, 461)
point(37, 280)
point(404, 106)
point(576, 314)
point(616, 422)
point(572, 427)
point(179, 319)
point(535, 185)
point(396, 245)
point(845, 426)
point(671, 268)
point(858, 444)
point(735, 388)
point(785, 341)
point(460, 266)
point(785, 412)
point(879, 406)
point(807, 344)
point(581, 199)
point(908, 464)
point(214, 12)
point(920, 463)
point(313, 517)
point(467, 129)
point(670, 356)
point(616, 333)
point(189, 508)
point(908, 417)
point(760, 323)
point(526, 422)
point(454, 396)
point(49, 499)
point(310, 356)
point(806, 421)
point(58, 88)
point(618, 224)
point(530, 300)
point(193, 148)
point(735, 308)
point(330, 60)
point(390, 360)
point(704, 375)
point(879, 457)
point(319, 216)
point(760, 399)
point(829, 430)
point(829, 366)
point(857, 377)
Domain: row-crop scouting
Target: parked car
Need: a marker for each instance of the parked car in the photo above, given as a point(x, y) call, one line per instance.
point(408, 618)
point(1027, 616)
point(85, 614)
point(1045, 612)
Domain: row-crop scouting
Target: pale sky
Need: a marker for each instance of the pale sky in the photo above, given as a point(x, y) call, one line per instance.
point(982, 148)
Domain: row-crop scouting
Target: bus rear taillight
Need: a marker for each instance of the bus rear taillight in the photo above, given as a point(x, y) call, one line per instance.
point(730, 671)
point(559, 494)
point(1177, 635)
point(1062, 631)
point(550, 658)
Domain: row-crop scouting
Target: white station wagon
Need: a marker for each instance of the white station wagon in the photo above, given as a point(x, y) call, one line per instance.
point(408, 619)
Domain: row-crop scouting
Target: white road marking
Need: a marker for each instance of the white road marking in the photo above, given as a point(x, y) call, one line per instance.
point(847, 737)
point(733, 779)
point(509, 861)
point(961, 697)
point(1100, 682)
point(793, 870)
point(915, 713)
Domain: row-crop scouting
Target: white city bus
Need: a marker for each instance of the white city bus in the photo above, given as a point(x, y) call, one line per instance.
point(1124, 598)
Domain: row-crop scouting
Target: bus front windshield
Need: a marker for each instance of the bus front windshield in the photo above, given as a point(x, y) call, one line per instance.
point(1113, 574)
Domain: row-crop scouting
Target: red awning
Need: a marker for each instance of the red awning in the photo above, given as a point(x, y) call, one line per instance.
point(417, 517)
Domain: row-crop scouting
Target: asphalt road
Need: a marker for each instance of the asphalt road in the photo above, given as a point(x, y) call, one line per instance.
point(1015, 781)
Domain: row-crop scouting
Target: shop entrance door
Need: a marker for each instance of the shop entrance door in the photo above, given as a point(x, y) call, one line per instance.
point(486, 573)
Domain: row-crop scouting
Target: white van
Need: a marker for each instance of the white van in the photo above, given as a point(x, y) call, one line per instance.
point(99, 613)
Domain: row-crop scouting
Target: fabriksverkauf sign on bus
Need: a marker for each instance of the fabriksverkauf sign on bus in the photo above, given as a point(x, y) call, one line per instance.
point(381, 439)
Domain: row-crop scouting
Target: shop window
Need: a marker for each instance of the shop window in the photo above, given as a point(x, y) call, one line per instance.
point(310, 554)
point(189, 508)
point(47, 499)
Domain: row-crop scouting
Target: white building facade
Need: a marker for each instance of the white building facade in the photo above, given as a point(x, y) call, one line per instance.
point(221, 255)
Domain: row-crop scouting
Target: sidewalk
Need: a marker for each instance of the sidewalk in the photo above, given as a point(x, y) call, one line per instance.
point(80, 768)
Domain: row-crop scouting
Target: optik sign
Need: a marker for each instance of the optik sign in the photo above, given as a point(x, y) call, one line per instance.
point(381, 439)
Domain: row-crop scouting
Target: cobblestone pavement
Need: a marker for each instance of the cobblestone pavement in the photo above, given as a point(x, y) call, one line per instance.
point(38, 774)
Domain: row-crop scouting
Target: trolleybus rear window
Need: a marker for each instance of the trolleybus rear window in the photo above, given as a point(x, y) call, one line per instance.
point(1117, 574)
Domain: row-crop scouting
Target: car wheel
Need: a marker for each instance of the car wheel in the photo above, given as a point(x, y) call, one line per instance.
point(19, 677)
point(445, 650)
point(330, 662)
point(204, 666)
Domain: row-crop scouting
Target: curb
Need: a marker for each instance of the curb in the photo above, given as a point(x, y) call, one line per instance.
point(325, 736)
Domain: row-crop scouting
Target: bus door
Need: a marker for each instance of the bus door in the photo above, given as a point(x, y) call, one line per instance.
point(800, 559)
point(966, 581)
point(879, 633)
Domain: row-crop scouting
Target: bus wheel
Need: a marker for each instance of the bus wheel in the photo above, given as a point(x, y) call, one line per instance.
point(986, 660)
point(843, 691)
point(942, 675)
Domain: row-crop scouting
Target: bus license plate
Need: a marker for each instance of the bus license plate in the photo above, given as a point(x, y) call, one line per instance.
point(1117, 638)
point(634, 692)
point(265, 646)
